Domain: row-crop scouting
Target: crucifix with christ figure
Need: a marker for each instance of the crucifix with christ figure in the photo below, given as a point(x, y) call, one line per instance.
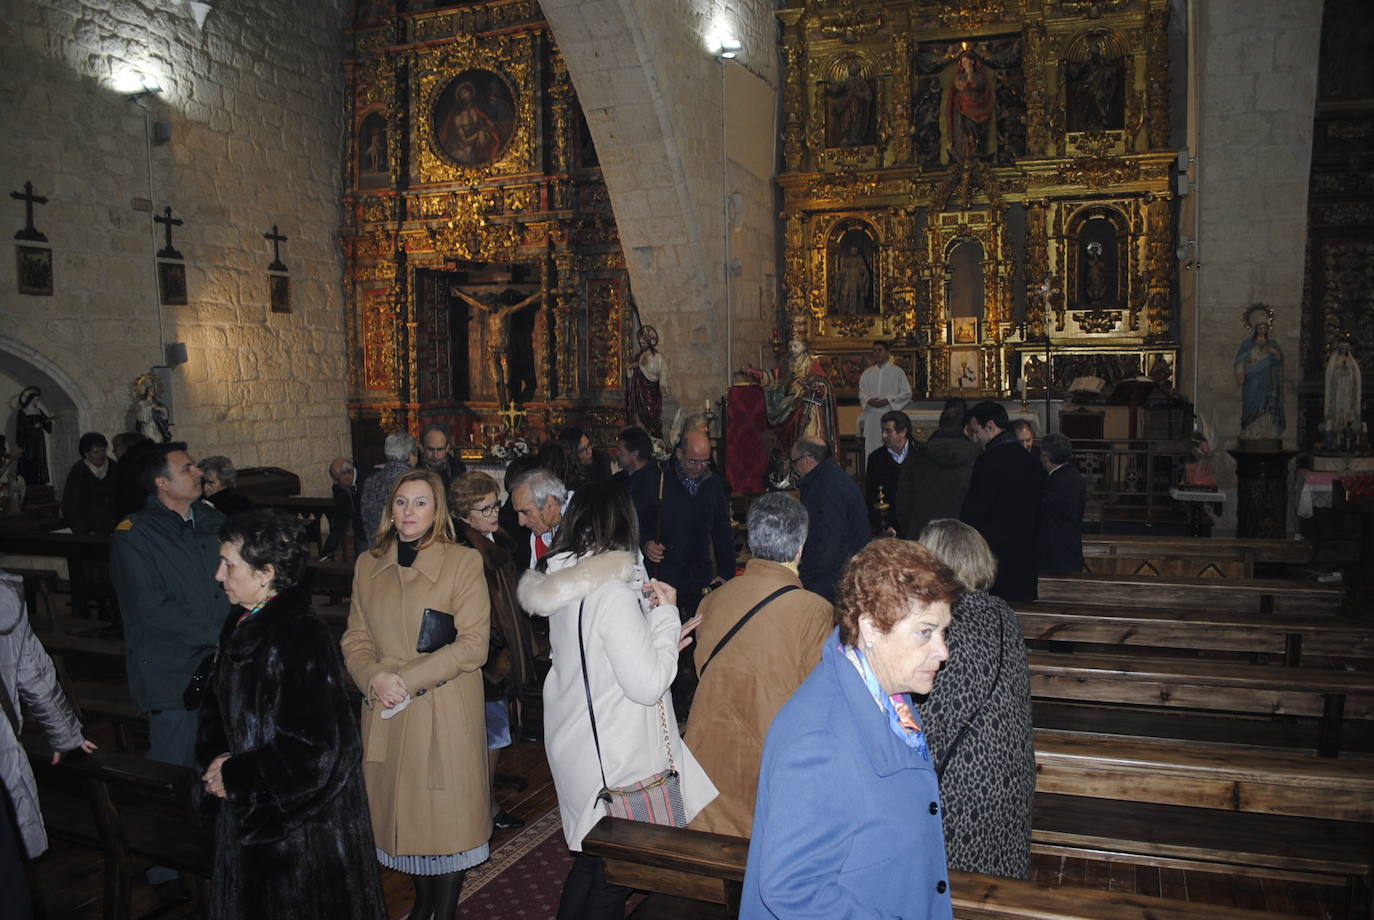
point(494, 319)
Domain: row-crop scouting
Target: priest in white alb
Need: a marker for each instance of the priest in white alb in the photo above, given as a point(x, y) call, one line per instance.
point(882, 388)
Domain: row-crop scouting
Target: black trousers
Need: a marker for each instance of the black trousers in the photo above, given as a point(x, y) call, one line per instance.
point(586, 894)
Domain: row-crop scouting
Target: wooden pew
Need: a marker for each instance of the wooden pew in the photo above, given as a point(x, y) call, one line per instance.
point(1199, 557)
point(710, 867)
point(1329, 696)
point(141, 814)
point(1289, 636)
point(309, 509)
point(1202, 805)
point(87, 557)
point(1253, 595)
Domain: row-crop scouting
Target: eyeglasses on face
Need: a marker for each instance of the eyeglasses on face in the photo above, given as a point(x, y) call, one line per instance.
point(693, 461)
point(487, 510)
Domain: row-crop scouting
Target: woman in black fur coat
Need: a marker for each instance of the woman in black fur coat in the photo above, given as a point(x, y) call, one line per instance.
point(279, 743)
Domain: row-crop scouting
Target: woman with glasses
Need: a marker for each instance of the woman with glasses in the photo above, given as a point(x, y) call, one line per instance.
point(476, 502)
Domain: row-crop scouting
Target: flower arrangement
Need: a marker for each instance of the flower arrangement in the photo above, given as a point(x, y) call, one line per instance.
point(505, 445)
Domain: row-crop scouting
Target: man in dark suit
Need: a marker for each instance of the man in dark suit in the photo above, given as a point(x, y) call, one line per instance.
point(1061, 508)
point(1003, 501)
point(839, 524)
point(640, 476)
point(883, 470)
point(437, 454)
point(348, 509)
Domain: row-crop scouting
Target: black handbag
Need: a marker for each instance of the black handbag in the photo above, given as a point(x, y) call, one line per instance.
point(436, 631)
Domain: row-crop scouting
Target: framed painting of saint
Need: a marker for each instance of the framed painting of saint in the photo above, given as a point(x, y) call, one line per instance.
point(965, 369)
point(372, 153)
point(34, 270)
point(474, 118)
point(279, 293)
point(964, 330)
point(171, 283)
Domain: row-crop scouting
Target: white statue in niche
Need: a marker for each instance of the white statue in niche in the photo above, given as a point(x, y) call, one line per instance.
point(1341, 405)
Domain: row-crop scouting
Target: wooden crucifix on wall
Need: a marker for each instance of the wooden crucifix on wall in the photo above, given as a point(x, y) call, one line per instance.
point(171, 269)
point(493, 317)
point(278, 281)
point(33, 262)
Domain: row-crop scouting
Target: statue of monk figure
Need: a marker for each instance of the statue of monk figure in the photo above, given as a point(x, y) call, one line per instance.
point(493, 318)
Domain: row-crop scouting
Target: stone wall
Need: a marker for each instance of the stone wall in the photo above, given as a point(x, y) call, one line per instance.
point(651, 87)
point(253, 102)
point(1257, 87)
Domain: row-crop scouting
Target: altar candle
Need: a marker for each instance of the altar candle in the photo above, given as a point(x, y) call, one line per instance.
point(1023, 389)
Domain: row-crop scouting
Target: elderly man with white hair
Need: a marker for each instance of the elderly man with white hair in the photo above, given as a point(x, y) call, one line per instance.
point(402, 451)
point(539, 499)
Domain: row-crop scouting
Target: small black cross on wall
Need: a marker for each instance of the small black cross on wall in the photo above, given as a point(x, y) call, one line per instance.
point(277, 239)
point(167, 252)
point(30, 232)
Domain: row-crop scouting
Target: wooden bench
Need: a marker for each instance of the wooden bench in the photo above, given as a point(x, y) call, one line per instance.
point(710, 867)
point(1231, 808)
point(1253, 595)
point(1199, 557)
point(138, 812)
point(311, 510)
point(1290, 636)
point(88, 563)
point(1329, 696)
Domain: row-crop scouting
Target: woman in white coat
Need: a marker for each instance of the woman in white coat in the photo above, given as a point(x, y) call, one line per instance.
point(592, 577)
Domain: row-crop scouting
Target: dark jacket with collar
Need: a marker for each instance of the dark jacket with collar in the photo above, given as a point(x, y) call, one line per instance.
point(163, 569)
point(934, 481)
point(293, 836)
point(642, 485)
point(1061, 521)
point(347, 515)
point(1003, 503)
point(838, 527)
point(882, 475)
point(696, 531)
point(848, 820)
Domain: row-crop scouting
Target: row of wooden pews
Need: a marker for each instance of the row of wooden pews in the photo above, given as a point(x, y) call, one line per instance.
point(1189, 715)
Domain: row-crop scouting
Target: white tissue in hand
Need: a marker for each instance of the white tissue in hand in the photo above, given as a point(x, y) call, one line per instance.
point(395, 710)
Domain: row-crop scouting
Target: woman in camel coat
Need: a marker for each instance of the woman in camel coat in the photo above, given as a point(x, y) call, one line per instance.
point(426, 766)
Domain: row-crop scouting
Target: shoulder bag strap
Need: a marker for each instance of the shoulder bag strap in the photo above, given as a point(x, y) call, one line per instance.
point(740, 625)
point(587, 689)
point(963, 729)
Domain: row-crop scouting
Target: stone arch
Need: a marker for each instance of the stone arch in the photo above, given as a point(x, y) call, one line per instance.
point(651, 92)
point(63, 396)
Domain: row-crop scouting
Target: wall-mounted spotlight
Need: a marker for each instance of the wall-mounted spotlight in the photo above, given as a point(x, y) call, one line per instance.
point(135, 84)
point(729, 47)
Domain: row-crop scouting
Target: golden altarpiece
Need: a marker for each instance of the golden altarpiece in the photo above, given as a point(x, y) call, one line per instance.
point(485, 282)
point(985, 182)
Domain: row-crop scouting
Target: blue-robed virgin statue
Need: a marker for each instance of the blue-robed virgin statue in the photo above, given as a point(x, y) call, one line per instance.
point(1259, 373)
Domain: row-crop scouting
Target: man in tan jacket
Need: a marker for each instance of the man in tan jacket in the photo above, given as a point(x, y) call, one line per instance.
point(746, 677)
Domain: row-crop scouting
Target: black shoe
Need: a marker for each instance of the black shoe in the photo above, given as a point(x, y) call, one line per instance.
point(531, 735)
point(172, 891)
point(504, 822)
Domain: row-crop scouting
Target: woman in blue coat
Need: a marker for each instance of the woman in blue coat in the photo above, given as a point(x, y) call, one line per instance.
point(847, 823)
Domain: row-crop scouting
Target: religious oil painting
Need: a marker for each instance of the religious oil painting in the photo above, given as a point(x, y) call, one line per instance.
point(964, 330)
point(34, 270)
point(372, 152)
point(279, 293)
point(853, 267)
point(965, 369)
point(171, 283)
point(474, 118)
point(849, 120)
point(1095, 78)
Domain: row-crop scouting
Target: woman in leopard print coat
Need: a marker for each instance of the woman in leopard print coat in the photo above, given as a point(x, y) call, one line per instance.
point(988, 774)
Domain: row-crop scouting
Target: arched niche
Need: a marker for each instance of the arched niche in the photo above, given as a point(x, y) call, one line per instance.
point(852, 261)
point(965, 285)
point(21, 366)
point(1099, 258)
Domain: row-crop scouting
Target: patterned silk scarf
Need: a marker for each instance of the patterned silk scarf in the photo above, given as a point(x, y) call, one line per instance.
point(901, 718)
